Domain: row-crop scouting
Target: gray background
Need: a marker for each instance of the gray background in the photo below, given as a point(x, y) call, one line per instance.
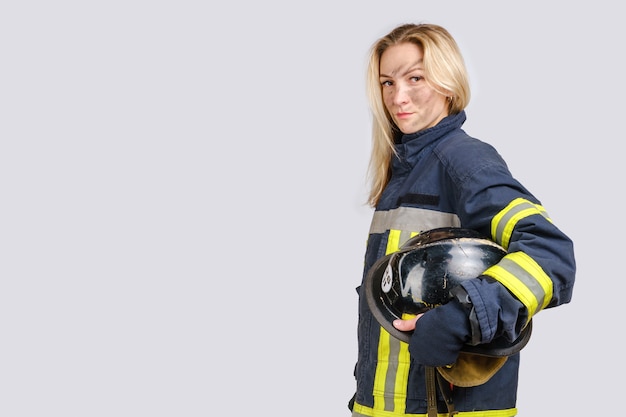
point(182, 197)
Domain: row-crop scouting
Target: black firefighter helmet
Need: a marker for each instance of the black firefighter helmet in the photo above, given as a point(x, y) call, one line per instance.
point(420, 276)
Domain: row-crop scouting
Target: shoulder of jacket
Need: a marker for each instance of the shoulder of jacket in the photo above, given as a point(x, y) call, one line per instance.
point(464, 155)
point(460, 144)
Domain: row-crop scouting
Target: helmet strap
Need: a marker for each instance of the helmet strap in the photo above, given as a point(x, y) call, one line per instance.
point(434, 379)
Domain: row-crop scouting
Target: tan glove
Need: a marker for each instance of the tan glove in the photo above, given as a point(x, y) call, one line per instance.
point(471, 369)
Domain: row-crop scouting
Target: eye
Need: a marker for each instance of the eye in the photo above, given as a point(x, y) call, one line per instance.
point(416, 78)
point(386, 83)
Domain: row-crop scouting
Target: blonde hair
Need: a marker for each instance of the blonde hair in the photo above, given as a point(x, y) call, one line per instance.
point(444, 70)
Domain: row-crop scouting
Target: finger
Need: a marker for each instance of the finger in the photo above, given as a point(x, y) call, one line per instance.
point(406, 325)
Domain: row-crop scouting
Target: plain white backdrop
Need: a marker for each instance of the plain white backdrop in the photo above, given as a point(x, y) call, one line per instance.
point(183, 185)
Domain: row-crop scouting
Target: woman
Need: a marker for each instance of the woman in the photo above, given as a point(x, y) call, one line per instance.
point(427, 173)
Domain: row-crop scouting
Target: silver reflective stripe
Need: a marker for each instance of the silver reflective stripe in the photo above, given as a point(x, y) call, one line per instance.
point(529, 281)
point(504, 223)
point(392, 370)
point(525, 278)
point(412, 219)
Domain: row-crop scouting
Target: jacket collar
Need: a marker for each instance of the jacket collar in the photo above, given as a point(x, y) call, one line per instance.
point(412, 144)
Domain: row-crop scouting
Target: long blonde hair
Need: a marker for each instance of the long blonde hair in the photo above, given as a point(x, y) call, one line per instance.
point(444, 70)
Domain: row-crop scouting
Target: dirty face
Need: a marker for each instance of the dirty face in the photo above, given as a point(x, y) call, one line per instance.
point(411, 102)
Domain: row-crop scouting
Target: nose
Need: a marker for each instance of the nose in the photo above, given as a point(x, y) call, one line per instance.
point(400, 95)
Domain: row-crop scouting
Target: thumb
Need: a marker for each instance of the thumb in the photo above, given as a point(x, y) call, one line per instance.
point(406, 325)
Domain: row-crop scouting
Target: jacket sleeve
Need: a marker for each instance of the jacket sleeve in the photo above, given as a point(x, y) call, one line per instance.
point(539, 268)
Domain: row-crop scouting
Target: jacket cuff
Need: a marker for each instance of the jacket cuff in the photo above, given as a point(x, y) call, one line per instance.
point(460, 294)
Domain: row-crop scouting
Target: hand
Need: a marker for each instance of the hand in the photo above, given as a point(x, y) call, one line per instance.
point(408, 324)
point(440, 336)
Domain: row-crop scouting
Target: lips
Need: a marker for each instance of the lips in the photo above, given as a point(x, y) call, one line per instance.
point(402, 115)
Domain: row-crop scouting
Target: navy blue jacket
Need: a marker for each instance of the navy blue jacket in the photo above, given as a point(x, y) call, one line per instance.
point(441, 177)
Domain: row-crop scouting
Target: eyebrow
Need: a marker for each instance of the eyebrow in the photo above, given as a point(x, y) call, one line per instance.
point(411, 68)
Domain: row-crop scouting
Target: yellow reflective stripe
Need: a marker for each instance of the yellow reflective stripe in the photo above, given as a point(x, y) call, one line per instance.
point(397, 238)
point(393, 243)
point(541, 284)
point(503, 223)
point(543, 212)
point(363, 411)
point(402, 377)
point(521, 275)
point(381, 370)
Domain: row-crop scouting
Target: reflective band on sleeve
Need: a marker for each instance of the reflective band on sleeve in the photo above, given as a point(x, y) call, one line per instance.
point(521, 275)
point(503, 223)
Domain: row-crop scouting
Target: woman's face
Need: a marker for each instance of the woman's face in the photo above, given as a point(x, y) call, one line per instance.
point(410, 101)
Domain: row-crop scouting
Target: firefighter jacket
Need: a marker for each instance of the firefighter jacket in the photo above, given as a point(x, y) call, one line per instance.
point(441, 177)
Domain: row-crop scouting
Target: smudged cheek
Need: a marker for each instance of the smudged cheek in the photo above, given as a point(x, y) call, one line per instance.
point(420, 98)
point(416, 97)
